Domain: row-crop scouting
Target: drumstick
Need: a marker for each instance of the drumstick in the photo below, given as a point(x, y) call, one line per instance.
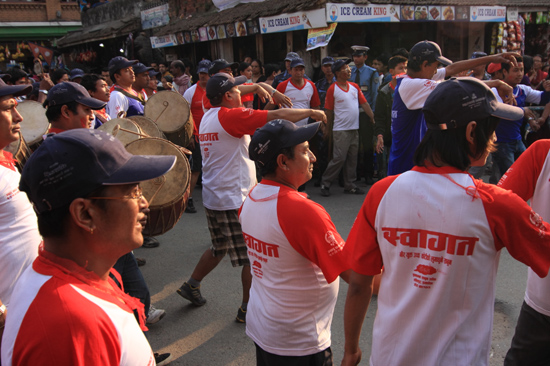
point(160, 182)
point(118, 128)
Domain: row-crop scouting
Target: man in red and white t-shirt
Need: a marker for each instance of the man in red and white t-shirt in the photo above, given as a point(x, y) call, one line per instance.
point(341, 104)
point(289, 316)
point(438, 234)
point(529, 178)
point(301, 91)
point(194, 96)
point(227, 177)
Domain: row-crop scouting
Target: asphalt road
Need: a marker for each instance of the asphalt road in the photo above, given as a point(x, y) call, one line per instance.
point(208, 335)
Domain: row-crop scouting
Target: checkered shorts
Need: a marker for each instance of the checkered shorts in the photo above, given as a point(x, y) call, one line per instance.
point(227, 236)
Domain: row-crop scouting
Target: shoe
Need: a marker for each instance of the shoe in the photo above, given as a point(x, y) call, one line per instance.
point(162, 359)
point(241, 316)
point(190, 206)
point(325, 191)
point(141, 261)
point(192, 294)
point(354, 191)
point(155, 315)
point(150, 242)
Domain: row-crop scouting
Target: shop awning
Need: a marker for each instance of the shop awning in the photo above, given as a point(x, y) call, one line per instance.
point(24, 31)
point(99, 32)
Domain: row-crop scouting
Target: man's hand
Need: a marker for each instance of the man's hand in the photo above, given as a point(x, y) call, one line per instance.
point(380, 144)
point(546, 85)
point(46, 83)
point(506, 93)
point(262, 94)
point(281, 100)
point(506, 57)
point(318, 115)
point(352, 359)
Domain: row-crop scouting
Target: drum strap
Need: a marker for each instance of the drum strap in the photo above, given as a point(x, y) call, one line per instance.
point(125, 93)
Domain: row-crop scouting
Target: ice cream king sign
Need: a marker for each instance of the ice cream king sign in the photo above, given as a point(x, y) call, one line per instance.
point(295, 21)
point(348, 12)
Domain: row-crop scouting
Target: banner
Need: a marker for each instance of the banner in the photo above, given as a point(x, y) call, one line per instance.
point(164, 41)
point(320, 37)
point(37, 50)
point(295, 21)
point(488, 14)
point(227, 4)
point(155, 17)
point(356, 13)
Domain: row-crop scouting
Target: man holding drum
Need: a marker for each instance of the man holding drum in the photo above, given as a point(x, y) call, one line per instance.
point(228, 176)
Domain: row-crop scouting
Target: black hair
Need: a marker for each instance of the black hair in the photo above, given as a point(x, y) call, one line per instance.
point(272, 165)
point(271, 68)
point(527, 62)
point(53, 112)
point(416, 65)
point(16, 74)
point(383, 58)
point(506, 66)
point(180, 65)
point(401, 52)
point(260, 64)
point(57, 74)
point(396, 60)
point(243, 66)
point(451, 147)
point(89, 81)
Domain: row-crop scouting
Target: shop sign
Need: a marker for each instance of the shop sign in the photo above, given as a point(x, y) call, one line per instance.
point(294, 21)
point(164, 41)
point(155, 17)
point(512, 14)
point(488, 14)
point(227, 4)
point(320, 37)
point(355, 13)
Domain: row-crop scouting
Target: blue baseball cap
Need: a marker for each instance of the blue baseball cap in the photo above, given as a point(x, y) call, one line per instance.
point(297, 62)
point(203, 66)
point(15, 90)
point(139, 68)
point(76, 73)
point(69, 91)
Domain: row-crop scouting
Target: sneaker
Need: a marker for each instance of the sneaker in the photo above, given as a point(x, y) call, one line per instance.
point(162, 359)
point(241, 316)
point(140, 262)
point(190, 206)
point(354, 191)
point(150, 242)
point(155, 315)
point(325, 191)
point(192, 294)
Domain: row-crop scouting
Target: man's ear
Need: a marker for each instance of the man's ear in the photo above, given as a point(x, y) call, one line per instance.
point(281, 161)
point(470, 132)
point(65, 111)
point(82, 213)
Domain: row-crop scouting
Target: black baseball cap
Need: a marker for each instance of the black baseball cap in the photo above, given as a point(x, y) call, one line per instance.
point(337, 65)
point(428, 51)
point(291, 56)
point(458, 101)
point(220, 64)
point(297, 62)
point(327, 61)
point(276, 135)
point(139, 68)
point(76, 73)
point(69, 91)
point(203, 66)
point(15, 90)
point(119, 62)
point(74, 163)
point(220, 83)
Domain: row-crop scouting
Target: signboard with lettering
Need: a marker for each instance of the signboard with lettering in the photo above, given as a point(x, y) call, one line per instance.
point(294, 21)
point(155, 17)
point(354, 13)
point(488, 13)
point(164, 41)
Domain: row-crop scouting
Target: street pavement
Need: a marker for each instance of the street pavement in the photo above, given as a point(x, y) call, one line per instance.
point(209, 335)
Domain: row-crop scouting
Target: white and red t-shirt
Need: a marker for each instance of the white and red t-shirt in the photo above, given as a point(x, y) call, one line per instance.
point(62, 314)
point(296, 256)
point(302, 98)
point(227, 172)
point(345, 105)
point(194, 96)
point(19, 236)
point(529, 178)
point(438, 234)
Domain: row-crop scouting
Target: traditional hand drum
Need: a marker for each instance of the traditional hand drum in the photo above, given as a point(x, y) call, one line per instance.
point(20, 152)
point(167, 195)
point(170, 111)
point(148, 127)
point(123, 129)
point(35, 123)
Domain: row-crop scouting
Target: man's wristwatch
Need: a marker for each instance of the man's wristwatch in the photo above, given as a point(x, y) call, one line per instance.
point(43, 91)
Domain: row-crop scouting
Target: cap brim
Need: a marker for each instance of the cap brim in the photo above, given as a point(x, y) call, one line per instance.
point(506, 111)
point(240, 80)
point(302, 134)
point(15, 90)
point(141, 168)
point(92, 103)
point(124, 65)
point(444, 61)
point(205, 70)
point(76, 76)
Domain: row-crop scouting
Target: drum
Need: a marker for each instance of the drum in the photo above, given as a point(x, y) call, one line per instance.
point(167, 195)
point(170, 111)
point(20, 151)
point(123, 129)
point(35, 123)
point(148, 127)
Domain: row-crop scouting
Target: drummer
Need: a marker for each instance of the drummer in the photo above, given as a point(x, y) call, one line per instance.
point(124, 101)
point(69, 106)
point(98, 88)
point(141, 81)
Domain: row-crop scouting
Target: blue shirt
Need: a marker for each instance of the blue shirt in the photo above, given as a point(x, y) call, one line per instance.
point(322, 86)
point(369, 80)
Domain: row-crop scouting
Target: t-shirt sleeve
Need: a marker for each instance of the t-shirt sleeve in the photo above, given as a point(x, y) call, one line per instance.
point(440, 74)
point(188, 95)
point(329, 98)
point(414, 92)
point(521, 178)
point(282, 87)
point(517, 227)
point(117, 103)
point(312, 233)
point(362, 239)
point(360, 95)
point(315, 100)
point(241, 121)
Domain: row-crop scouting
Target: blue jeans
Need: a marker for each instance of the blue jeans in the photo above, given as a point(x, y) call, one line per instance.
point(506, 154)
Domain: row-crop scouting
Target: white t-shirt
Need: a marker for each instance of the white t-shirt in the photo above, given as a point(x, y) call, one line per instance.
point(345, 105)
point(227, 172)
point(296, 256)
point(440, 248)
point(302, 98)
point(19, 237)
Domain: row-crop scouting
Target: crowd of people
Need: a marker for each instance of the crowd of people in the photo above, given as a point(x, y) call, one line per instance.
point(418, 128)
